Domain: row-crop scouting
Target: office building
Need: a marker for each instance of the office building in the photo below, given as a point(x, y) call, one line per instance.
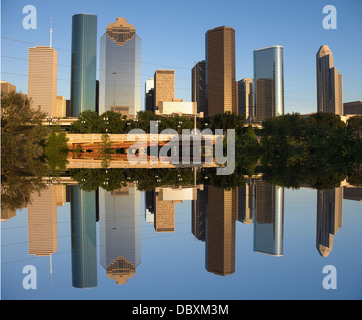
point(352, 108)
point(268, 219)
point(149, 95)
point(84, 238)
point(164, 82)
point(120, 69)
point(84, 63)
point(268, 82)
point(181, 108)
point(246, 99)
point(198, 86)
point(42, 79)
point(329, 83)
point(220, 71)
point(329, 218)
point(220, 231)
point(7, 87)
point(61, 110)
point(120, 232)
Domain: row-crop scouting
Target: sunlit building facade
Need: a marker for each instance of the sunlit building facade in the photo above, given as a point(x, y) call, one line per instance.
point(246, 98)
point(329, 83)
point(268, 82)
point(120, 69)
point(84, 63)
point(164, 86)
point(42, 79)
point(220, 71)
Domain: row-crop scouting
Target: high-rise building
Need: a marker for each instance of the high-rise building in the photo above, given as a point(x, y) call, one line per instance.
point(42, 79)
point(329, 83)
point(220, 71)
point(198, 89)
point(269, 219)
point(120, 69)
point(220, 230)
point(84, 238)
point(84, 63)
point(164, 86)
point(149, 95)
point(268, 82)
point(120, 232)
point(352, 108)
point(246, 98)
point(329, 218)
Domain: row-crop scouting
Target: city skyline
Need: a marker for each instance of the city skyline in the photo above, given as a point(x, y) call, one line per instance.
point(300, 82)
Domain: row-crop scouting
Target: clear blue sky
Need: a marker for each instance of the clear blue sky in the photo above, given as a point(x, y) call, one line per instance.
point(173, 36)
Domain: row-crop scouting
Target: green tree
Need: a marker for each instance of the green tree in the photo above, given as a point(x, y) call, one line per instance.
point(22, 154)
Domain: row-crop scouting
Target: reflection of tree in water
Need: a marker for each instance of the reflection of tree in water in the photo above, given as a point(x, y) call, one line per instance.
point(22, 157)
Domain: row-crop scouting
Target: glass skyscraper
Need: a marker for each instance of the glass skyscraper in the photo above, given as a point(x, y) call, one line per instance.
point(120, 69)
point(84, 63)
point(268, 82)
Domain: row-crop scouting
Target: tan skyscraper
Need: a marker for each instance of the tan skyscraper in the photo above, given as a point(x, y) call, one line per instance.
point(164, 86)
point(220, 70)
point(42, 79)
point(329, 83)
point(220, 231)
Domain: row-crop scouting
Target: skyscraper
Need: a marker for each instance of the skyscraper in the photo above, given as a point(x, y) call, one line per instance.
point(149, 95)
point(246, 98)
point(84, 238)
point(198, 89)
point(269, 219)
point(120, 69)
point(164, 86)
point(42, 79)
point(220, 70)
point(268, 82)
point(329, 218)
point(120, 232)
point(220, 231)
point(329, 83)
point(84, 63)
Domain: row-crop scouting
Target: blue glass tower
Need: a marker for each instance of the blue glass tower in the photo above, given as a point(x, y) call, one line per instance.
point(84, 238)
point(120, 69)
point(84, 63)
point(268, 82)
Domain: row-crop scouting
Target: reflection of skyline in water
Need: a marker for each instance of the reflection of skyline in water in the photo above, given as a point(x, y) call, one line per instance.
point(214, 214)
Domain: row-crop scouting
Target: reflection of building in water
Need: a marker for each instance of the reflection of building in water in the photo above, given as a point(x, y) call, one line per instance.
point(220, 231)
point(269, 219)
point(150, 206)
point(246, 202)
point(352, 193)
point(84, 241)
point(42, 221)
point(199, 214)
point(329, 218)
point(120, 232)
point(7, 214)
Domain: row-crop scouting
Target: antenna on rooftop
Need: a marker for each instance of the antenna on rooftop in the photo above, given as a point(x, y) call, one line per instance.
point(51, 31)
